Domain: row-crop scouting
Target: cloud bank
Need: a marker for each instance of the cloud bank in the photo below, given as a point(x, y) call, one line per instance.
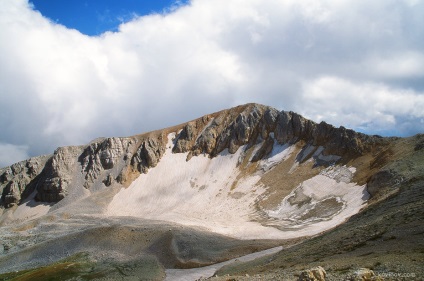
point(351, 63)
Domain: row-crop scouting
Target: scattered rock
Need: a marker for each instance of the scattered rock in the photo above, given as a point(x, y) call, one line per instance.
point(6, 246)
point(314, 274)
point(382, 180)
point(365, 274)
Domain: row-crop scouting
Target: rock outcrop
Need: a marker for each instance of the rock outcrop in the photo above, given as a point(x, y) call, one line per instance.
point(18, 180)
point(365, 274)
point(383, 181)
point(291, 127)
point(148, 154)
point(57, 174)
point(106, 161)
point(253, 123)
point(228, 129)
point(102, 156)
point(314, 274)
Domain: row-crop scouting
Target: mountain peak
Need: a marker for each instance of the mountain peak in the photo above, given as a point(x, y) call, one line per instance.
point(108, 160)
point(207, 185)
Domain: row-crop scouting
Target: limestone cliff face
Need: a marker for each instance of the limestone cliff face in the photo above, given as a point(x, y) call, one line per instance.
point(253, 123)
point(119, 160)
point(18, 180)
point(292, 127)
point(230, 129)
point(102, 156)
point(52, 185)
point(148, 154)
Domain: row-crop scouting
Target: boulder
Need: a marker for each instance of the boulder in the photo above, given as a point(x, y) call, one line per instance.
point(314, 274)
point(365, 274)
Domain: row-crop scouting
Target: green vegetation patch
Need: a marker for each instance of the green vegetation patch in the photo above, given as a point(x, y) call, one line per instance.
point(81, 267)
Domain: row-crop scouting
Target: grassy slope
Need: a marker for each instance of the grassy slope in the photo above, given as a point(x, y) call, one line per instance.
point(81, 267)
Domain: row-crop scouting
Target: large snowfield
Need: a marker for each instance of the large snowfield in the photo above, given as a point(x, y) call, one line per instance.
point(213, 194)
point(209, 193)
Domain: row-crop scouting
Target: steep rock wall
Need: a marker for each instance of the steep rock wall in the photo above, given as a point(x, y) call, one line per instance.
point(19, 180)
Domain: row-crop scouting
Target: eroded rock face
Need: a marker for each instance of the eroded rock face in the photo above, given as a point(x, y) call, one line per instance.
point(17, 181)
point(230, 129)
point(109, 160)
point(264, 150)
point(255, 123)
point(188, 136)
point(57, 174)
point(104, 155)
point(249, 127)
point(292, 127)
point(148, 154)
point(12, 193)
point(53, 189)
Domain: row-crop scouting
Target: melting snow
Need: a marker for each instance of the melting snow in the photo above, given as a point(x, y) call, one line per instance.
point(208, 271)
point(196, 193)
point(278, 154)
point(320, 203)
point(206, 193)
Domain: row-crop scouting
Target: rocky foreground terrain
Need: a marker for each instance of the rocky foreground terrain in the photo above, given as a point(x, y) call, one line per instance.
point(344, 205)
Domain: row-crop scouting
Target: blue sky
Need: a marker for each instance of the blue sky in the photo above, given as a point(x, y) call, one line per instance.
point(94, 17)
point(352, 63)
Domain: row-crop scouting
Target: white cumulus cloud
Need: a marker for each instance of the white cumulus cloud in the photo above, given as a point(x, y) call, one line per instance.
point(12, 153)
point(353, 63)
point(378, 108)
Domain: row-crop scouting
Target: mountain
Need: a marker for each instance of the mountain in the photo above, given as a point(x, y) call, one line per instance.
point(224, 185)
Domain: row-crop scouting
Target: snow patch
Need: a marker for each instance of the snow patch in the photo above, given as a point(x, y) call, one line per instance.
point(320, 203)
point(318, 156)
point(208, 271)
point(278, 154)
point(194, 193)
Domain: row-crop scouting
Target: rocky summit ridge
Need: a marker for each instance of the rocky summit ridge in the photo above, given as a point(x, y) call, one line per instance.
point(120, 159)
